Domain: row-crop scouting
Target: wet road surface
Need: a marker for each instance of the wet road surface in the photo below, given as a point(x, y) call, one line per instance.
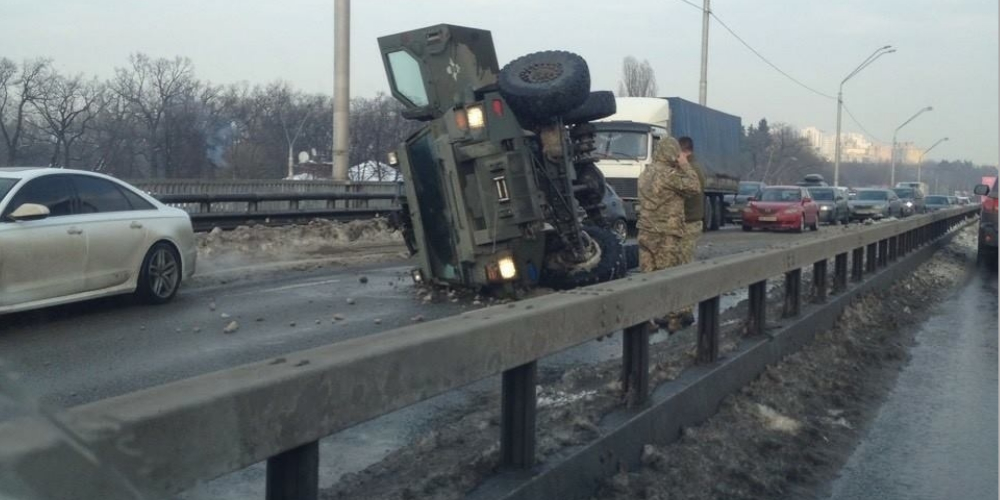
point(936, 436)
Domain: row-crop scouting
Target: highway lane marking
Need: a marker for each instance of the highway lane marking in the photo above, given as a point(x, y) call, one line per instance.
point(283, 288)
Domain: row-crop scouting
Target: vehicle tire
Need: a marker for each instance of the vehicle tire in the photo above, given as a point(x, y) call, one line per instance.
point(599, 104)
point(160, 274)
point(620, 228)
point(716, 213)
point(590, 176)
point(747, 228)
point(802, 224)
point(707, 216)
point(542, 86)
point(611, 264)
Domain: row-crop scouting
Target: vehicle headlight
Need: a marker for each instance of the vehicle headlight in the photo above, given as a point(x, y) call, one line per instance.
point(909, 204)
point(792, 210)
point(824, 207)
point(477, 119)
point(879, 207)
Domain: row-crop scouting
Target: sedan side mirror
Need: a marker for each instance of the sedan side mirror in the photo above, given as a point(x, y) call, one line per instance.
point(981, 189)
point(29, 211)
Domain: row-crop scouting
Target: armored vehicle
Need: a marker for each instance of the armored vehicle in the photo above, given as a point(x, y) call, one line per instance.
point(501, 190)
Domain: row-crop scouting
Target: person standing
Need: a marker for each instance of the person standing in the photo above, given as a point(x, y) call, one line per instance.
point(694, 215)
point(662, 225)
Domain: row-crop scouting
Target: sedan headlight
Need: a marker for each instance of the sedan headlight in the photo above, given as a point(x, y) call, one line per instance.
point(792, 210)
point(909, 204)
point(879, 207)
point(824, 208)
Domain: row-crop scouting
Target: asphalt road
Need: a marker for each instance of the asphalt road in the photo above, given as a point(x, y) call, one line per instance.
point(936, 435)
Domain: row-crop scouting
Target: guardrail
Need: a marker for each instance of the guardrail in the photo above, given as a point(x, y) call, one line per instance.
point(168, 438)
point(264, 207)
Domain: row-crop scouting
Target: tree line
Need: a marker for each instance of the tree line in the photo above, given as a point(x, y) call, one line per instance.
point(155, 119)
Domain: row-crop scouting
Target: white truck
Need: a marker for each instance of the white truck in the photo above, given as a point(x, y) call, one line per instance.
point(625, 142)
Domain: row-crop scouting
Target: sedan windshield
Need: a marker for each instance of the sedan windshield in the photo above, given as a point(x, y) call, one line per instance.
point(621, 145)
point(872, 195)
point(821, 194)
point(781, 195)
point(5, 185)
point(938, 200)
point(904, 192)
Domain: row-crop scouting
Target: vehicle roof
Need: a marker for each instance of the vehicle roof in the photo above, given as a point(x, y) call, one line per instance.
point(33, 172)
point(784, 187)
point(874, 189)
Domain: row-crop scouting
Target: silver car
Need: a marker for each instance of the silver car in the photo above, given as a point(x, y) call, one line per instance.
point(875, 204)
point(68, 235)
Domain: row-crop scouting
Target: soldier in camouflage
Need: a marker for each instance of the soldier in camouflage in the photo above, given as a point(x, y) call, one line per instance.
point(694, 204)
point(663, 186)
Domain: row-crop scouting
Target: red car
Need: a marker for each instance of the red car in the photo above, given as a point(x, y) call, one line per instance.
point(782, 207)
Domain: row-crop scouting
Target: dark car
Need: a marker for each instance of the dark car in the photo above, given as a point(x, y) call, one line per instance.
point(988, 223)
point(737, 202)
point(832, 203)
point(782, 207)
point(875, 203)
point(614, 213)
point(912, 200)
point(812, 180)
point(937, 202)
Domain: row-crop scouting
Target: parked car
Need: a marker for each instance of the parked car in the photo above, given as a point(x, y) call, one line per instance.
point(911, 199)
point(964, 200)
point(875, 203)
point(614, 213)
point(937, 202)
point(988, 223)
point(68, 235)
point(737, 202)
point(832, 203)
point(951, 199)
point(782, 207)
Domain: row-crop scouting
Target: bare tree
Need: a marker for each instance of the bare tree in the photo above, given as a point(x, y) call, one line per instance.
point(19, 88)
point(67, 108)
point(377, 126)
point(638, 79)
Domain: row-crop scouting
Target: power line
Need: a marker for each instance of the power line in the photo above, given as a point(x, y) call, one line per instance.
point(758, 54)
point(862, 127)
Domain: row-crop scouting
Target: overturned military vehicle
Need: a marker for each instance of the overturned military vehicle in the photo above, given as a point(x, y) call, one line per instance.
point(501, 190)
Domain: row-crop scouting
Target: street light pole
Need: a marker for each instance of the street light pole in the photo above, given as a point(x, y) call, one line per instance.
point(920, 164)
point(892, 175)
point(881, 51)
point(703, 84)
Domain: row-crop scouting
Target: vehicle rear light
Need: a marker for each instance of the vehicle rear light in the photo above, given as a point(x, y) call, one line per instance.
point(461, 120)
point(497, 106)
point(990, 205)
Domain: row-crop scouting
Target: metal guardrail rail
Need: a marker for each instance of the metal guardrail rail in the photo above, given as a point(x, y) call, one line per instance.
point(169, 438)
point(205, 219)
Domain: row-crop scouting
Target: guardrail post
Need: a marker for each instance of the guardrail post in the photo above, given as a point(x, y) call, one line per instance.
point(819, 281)
point(840, 272)
point(793, 293)
point(883, 253)
point(857, 263)
point(635, 364)
point(294, 474)
point(293, 204)
point(893, 248)
point(517, 416)
point(708, 330)
point(205, 207)
point(757, 312)
point(251, 206)
point(870, 259)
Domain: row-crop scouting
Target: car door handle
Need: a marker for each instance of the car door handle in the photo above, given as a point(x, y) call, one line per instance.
point(74, 230)
point(135, 225)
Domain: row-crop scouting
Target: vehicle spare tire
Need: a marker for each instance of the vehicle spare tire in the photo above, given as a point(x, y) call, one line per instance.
point(611, 264)
point(599, 104)
point(542, 86)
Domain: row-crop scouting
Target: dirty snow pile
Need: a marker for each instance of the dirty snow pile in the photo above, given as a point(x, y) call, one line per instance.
point(317, 238)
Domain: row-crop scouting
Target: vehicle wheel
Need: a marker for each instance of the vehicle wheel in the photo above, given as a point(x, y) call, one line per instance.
point(620, 228)
point(599, 104)
point(716, 213)
point(544, 85)
point(160, 274)
point(747, 228)
point(610, 263)
point(708, 216)
point(590, 176)
point(802, 224)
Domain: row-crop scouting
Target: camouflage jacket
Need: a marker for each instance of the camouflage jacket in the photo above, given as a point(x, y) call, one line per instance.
point(694, 204)
point(663, 185)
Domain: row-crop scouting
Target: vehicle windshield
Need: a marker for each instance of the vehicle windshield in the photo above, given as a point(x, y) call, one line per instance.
point(621, 145)
point(781, 195)
point(749, 189)
point(821, 194)
point(904, 192)
point(872, 195)
point(407, 78)
point(938, 200)
point(5, 185)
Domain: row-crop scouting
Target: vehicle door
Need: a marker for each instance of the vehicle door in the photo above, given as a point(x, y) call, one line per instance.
point(116, 232)
point(895, 206)
point(42, 259)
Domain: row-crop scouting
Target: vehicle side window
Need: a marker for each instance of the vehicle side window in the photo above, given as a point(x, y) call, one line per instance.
point(137, 202)
point(53, 191)
point(98, 195)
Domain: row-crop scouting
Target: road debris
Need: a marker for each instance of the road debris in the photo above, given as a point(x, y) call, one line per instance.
point(231, 327)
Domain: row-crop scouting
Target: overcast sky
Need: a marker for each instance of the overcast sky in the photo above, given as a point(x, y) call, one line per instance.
point(947, 50)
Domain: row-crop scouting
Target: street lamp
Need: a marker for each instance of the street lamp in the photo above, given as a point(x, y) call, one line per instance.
point(920, 164)
point(892, 175)
point(881, 51)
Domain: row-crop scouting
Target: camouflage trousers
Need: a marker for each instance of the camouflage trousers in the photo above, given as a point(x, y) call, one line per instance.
point(692, 231)
point(659, 251)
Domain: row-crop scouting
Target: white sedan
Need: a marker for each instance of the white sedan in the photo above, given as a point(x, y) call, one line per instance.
point(70, 235)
